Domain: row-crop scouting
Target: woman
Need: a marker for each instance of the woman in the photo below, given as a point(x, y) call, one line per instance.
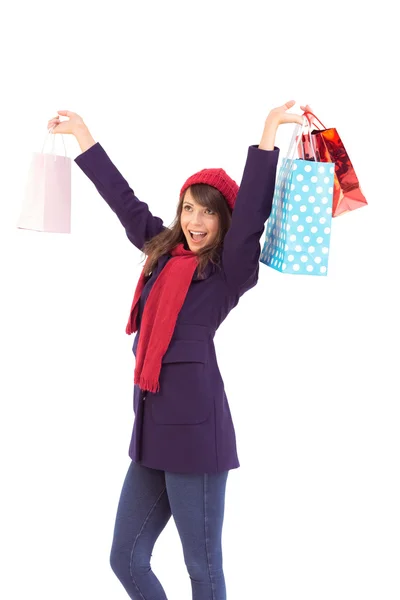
point(183, 441)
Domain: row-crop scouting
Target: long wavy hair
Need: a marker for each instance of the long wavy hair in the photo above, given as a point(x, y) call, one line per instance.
point(209, 197)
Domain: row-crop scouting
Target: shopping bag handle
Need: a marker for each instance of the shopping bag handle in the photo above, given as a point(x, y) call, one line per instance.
point(308, 112)
point(297, 133)
point(50, 132)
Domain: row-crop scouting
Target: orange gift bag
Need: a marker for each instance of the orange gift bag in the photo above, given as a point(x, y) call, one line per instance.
point(328, 146)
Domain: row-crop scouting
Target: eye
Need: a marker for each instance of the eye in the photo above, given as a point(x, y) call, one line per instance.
point(186, 207)
point(211, 212)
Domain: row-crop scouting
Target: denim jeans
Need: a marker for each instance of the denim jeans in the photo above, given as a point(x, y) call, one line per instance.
point(148, 499)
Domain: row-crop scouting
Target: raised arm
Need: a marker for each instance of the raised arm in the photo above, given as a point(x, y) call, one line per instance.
point(241, 252)
point(139, 223)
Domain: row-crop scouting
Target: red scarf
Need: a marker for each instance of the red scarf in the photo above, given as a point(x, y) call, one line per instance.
point(160, 313)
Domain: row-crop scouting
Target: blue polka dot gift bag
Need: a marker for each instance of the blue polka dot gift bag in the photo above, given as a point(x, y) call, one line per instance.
point(298, 231)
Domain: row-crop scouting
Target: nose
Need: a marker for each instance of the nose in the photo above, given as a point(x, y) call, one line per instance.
point(197, 219)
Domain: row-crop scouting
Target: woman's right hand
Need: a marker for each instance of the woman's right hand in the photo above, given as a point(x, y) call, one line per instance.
point(73, 125)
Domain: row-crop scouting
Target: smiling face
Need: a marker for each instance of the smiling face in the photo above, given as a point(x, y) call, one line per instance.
point(200, 224)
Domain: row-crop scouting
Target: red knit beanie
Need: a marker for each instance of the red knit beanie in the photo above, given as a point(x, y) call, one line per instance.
point(219, 179)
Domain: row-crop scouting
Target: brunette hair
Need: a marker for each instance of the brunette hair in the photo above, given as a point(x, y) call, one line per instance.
point(209, 197)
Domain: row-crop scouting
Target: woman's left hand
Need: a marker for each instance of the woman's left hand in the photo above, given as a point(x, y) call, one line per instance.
point(279, 115)
point(276, 117)
point(307, 108)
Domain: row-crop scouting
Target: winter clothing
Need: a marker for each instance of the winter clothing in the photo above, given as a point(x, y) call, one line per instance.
point(219, 179)
point(160, 315)
point(186, 427)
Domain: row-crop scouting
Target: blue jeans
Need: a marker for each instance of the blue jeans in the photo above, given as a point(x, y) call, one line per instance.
point(148, 499)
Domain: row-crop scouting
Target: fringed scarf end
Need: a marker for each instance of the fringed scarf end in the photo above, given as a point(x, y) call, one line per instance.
point(131, 327)
point(148, 385)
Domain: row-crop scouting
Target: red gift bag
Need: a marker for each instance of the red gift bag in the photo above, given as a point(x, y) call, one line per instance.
point(328, 147)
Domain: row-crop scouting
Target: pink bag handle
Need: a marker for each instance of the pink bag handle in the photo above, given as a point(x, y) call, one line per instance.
point(53, 146)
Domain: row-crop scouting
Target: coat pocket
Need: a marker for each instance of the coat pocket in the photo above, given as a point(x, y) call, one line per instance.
point(184, 397)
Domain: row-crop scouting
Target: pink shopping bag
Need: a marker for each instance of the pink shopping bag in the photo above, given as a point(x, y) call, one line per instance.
point(47, 202)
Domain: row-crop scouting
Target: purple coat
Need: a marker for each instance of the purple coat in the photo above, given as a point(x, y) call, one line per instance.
point(187, 426)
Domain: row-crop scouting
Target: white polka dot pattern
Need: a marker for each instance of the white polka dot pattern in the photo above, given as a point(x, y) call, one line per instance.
point(297, 235)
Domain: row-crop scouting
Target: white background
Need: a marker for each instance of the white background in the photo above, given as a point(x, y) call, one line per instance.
point(310, 363)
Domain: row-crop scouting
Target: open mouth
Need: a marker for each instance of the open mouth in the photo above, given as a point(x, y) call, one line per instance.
point(197, 237)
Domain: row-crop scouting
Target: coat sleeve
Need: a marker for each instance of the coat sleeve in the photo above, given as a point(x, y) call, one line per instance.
point(241, 251)
point(139, 223)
